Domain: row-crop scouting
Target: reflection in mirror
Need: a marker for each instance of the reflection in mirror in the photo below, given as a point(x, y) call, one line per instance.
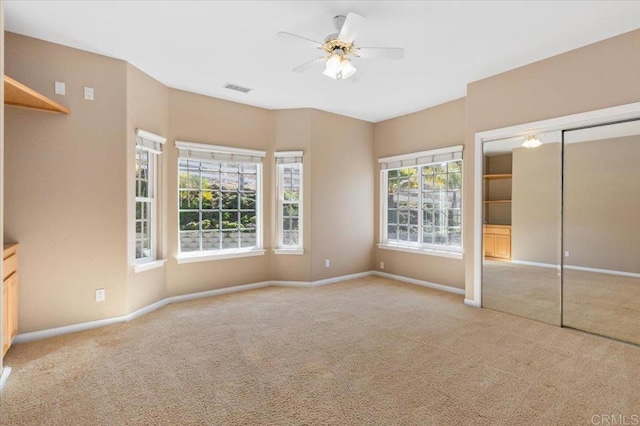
point(521, 231)
point(601, 230)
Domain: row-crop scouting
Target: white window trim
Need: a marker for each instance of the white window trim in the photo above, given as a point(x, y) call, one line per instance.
point(249, 155)
point(148, 265)
point(205, 256)
point(422, 250)
point(409, 247)
point(207, 148)
point(280, 248)
point(152, 143)
point(296, 251)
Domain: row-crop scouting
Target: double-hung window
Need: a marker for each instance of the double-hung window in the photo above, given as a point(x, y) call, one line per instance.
point(148, 148)
point(219, 201)
point(289, 202)
point(421, 201)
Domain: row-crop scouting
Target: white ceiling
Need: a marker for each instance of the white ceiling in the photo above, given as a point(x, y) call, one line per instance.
point(199, 46)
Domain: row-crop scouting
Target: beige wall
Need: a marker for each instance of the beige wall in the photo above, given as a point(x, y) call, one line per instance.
point(197, 118)
point(1, 155)
point(292, 132)
point(536, 207)
point(597, 76)
point(341, 195)
point(66, 186)
point(601, 204)
point(436, 127)
point(148, 109)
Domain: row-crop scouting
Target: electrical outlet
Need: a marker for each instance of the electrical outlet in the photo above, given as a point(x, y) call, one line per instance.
point(566, 253)
point(381, 265)
point(88, 93)
point(100, 295)
point(59, 88)
point(327, 263)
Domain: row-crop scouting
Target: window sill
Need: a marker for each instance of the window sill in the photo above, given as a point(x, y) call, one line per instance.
point(147, 266)
point(420, 250)
point(227, 254)
point(297, 251)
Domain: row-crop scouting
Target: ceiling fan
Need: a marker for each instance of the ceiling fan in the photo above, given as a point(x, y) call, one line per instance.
point(339, 48)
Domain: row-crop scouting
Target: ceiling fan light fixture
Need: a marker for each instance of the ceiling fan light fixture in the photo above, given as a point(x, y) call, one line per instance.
point(531, 142)
point(333, 66)
point(347, 68)
point(339, 67)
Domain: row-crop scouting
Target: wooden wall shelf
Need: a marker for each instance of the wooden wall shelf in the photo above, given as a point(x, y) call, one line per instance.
point(497, 201)
point(17, 94)
point(498, 176)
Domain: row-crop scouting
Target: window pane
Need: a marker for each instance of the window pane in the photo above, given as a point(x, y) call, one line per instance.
point(392, 216)
point(392, 232)
point(248, 220)
point(248, 202)
point(248, 239)
point(230, 220)
point(189, 241)
point(229, 200)
point(230, 239)
point(210, 220)
point(413, 234)
point(211, 240)
point(189, 200)
point(189, 221)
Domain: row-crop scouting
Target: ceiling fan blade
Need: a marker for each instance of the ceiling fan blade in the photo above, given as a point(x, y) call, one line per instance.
point(350, 28)
point(289, 36)
point(380, 52)
point(308, 65)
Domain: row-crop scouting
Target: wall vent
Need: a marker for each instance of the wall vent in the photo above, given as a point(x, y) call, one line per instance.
point(237, 88)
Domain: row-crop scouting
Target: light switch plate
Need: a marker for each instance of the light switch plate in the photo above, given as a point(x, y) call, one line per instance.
point(100, 295)
point(60, 88)
point(88, 93)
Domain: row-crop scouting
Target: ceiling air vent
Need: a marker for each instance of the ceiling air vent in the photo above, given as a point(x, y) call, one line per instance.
point(237, 88)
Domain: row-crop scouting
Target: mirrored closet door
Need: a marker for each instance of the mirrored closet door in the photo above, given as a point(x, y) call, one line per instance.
point(601, 230)
point(522, 185)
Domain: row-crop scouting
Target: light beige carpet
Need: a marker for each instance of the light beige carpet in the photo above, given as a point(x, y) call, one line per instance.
point(367, 351)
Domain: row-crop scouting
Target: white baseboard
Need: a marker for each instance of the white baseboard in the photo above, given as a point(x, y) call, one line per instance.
point(292, 283)
point(341, 278)
point(4, 376)
point(538, 264)
point(322, 282)
point(217, 292)
point(471, 302)
point(603, 271)
point(147, 309)
point(57, 331)
point(420, 282)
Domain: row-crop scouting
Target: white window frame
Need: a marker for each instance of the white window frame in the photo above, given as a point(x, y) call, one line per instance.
point(417, 159)
point(152, 144)
point(206, 152)
point(283, 159)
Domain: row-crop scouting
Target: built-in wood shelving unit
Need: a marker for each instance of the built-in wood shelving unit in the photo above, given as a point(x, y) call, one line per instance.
point(498, 176)
point(17, 94)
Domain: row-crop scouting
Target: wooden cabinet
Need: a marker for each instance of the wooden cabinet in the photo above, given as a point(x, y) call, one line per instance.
point(496, 241)
point(9, 296)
